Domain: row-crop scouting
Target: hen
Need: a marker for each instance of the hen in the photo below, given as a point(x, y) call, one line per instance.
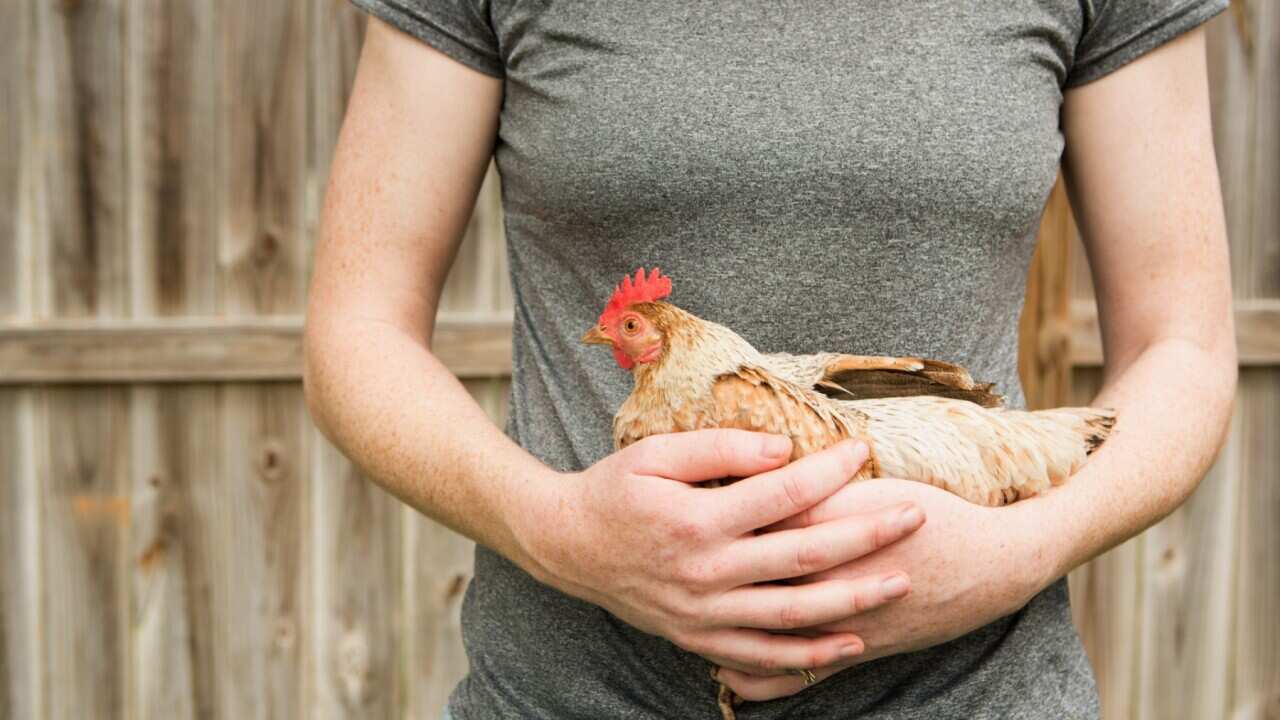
point(922, 420)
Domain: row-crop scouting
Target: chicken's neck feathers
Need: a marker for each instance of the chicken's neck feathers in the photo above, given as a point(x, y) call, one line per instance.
point(697, 352)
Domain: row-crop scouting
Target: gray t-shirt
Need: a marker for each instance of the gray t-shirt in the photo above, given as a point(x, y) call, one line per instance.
point(865, 177)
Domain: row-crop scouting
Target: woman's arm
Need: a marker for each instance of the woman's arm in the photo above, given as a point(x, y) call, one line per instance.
point(1143, 182)
point(1144, 186)
point(631, 533)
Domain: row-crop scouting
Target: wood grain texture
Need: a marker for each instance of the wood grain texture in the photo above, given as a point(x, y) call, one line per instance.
point(1261, 275)
point(357, 622)
point(188, 349)
point(78, 257)
point(1044, 357)
point(1254, 662)
point(261, 169)
point(173, 105)
point(83, 448)
point(1185, 605)
point(176, 640)
point(80, 194)
point(15, 71)
point(21, 619)
point(261, 162)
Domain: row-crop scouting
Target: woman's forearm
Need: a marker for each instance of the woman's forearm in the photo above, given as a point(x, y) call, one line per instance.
point(1173, 404)
point(377, 393)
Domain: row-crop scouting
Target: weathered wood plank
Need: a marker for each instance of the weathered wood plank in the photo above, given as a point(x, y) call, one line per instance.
point(261, 168)
point(355, 547)
point(199, 349)
point(172, 629)
point(1186, 601)
point(83, 454)
point(261, 181)
point(80, 68)
point(172, 146)
point(1255, 660)
point(1261, 276)
point(1044, 360)
point(79, 265)
point(260, 616)
point(14, 59)
point(20, 610)
point(173, 222)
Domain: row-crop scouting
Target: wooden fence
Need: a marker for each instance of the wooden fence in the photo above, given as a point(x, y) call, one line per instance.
point(177, 541)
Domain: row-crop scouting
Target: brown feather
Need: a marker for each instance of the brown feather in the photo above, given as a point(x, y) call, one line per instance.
point(852, 381)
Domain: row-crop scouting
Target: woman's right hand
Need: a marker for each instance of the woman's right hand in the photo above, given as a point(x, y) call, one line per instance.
point(635, 535)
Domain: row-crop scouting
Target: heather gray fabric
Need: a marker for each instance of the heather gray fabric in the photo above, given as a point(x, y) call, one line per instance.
point(864, 177)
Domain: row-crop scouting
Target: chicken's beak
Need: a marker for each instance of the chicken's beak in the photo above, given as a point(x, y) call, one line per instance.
point(596, 336)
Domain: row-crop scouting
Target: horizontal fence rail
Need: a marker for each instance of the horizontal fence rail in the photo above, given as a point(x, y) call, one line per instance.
point(194, 349)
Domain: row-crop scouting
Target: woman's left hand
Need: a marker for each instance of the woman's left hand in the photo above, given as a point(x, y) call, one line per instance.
point(969, 565)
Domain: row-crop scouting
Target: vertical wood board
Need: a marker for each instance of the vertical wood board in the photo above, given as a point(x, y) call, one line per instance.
point(1255, 665)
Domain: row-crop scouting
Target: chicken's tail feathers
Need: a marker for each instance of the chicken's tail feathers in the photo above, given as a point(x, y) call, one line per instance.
point(1097, 426)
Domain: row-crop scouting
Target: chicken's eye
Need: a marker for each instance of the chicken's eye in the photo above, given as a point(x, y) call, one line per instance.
point(630, 326)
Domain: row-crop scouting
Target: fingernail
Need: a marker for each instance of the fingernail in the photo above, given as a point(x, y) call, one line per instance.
point(895, 586)
point(852, 649)
point(908, 519)
point(776, 446)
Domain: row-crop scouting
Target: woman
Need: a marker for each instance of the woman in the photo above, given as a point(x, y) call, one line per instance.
point(866, 178)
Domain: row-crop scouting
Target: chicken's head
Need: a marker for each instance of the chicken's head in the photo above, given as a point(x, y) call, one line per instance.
point(630, 323)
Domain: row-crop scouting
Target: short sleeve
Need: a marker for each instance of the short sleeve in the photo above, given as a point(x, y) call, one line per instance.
point(1117, 32)
point(458, 28)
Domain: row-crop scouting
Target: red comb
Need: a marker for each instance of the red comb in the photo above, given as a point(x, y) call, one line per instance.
point(643, 289)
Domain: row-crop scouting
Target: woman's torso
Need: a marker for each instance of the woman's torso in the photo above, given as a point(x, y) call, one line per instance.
point(861, 176)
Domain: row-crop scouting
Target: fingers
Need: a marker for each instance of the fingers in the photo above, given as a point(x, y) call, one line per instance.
point(771, 496)
point(796, 553)
point(701, 455)
point(762, 652)
point(758, 688)
point(790, 607)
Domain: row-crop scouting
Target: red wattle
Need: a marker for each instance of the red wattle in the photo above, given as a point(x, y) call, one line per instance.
point(624, 362)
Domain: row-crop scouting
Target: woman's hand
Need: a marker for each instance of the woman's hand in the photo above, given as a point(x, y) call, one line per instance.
point(636, 536)
point(969, 566)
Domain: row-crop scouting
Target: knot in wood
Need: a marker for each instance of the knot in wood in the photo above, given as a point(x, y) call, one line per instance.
point(271, 461)
point(285, 634)
point(353, 663)
point(266, 249)
point(455, 587)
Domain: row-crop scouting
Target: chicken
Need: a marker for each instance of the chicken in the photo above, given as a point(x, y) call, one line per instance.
point(922, 420)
